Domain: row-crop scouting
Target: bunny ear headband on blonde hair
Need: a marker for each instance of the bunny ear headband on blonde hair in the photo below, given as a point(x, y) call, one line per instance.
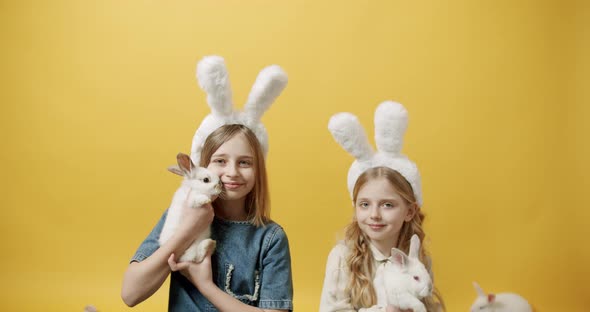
point(213, 79)
point(391, 121)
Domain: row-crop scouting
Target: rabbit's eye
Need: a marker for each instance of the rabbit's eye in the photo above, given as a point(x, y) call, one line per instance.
point(206, 180)
point(416, 278)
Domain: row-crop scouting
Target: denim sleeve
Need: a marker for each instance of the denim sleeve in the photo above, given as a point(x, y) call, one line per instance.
point(150, 244)
point(276, 285)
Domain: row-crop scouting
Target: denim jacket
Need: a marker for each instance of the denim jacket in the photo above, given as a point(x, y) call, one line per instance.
point(252, 264)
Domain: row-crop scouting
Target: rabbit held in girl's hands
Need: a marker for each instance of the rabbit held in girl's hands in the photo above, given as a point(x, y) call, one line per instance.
point(503, 302)
point(407, 281)
point(197, 188)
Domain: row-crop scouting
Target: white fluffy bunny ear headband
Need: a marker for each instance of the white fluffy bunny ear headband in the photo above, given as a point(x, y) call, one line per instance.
point(213, 79)
point(391, 121)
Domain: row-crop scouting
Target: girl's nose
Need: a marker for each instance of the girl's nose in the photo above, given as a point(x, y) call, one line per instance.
point(375, 215)
point(231, 170)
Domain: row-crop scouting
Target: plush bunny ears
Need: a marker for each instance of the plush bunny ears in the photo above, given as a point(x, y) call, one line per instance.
point(213, 79)
point(391, 121)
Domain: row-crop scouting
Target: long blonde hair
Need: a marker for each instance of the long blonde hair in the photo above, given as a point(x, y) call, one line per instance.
point(360, 260)
point(258, 200)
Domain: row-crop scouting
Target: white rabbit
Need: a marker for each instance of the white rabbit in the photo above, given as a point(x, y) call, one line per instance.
point(503, 302)
point(407, 280)
point(198, 186)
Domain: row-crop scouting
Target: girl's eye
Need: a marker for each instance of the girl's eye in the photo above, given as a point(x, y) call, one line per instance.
point(388, 205)
point(364, 204)
point(219, 161)
point(245, 163)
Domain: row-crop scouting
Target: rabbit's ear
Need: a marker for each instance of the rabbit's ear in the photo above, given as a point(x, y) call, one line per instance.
point(349, 133)
point(214, 80)
point(185, 163)
point(176, 170)
point(391, 122)
point(491, 298)
point(414, 247)
point(268, 86)
point(399, 257)
point(479, 291)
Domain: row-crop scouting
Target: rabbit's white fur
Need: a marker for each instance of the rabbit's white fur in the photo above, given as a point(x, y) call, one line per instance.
point(391, 121)
point(198, 186)
point(214, 80)
point(407, 280)
point(502, 302)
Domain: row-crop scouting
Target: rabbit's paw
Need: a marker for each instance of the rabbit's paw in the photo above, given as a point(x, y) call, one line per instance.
point(198, 200)
point(205, 247)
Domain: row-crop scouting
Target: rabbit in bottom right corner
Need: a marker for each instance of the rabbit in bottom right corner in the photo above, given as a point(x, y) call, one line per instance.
point(503, 302)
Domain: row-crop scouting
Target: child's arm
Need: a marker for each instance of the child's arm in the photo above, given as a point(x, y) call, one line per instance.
point(144, 276)
point(143, 279)
point(334, 295)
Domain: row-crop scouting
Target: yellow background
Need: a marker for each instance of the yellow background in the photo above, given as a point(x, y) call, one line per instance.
point(97, 97)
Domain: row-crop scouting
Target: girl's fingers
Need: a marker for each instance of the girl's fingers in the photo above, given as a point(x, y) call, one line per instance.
point(172, 263)
point(174, 266)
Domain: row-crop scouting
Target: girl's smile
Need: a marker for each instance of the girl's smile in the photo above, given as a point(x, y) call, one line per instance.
point(376, 227)
point(232, 185)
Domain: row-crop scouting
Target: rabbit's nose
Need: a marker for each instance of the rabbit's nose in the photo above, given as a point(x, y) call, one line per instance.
point(426, 291)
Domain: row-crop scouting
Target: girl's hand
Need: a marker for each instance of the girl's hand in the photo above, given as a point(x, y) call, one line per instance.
point(391, 308)
point(199, 274)
point(181, 267)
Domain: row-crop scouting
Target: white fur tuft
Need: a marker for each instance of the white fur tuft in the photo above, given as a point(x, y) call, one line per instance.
point(349, 133)
point(213, 79)
point(391, 122)
point(268, 86)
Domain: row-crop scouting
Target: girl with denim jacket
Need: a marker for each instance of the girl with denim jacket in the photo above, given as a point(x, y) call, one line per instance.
point(250, 269)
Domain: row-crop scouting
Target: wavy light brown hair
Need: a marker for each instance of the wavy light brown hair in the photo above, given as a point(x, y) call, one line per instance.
point(258, 200)
point(360, 260)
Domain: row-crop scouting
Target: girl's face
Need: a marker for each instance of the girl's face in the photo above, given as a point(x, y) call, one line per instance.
point(381, 212)
point(233, 162)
